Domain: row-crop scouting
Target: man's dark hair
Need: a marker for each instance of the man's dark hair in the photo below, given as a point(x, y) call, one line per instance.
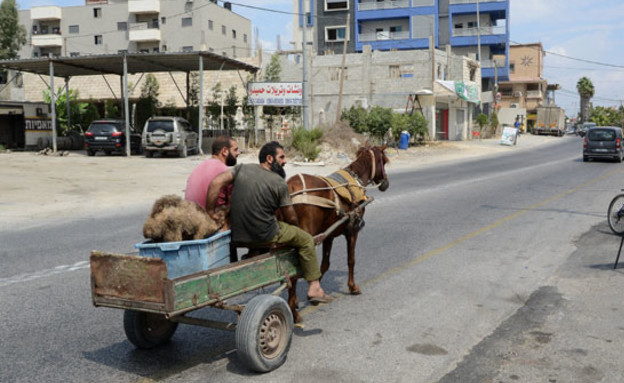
point(269, 149)
point(221, 142)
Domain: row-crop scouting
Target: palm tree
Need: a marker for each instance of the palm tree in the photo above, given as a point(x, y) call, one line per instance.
point(586, 92)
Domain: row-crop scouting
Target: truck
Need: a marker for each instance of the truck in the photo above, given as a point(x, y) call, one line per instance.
point(550, 121)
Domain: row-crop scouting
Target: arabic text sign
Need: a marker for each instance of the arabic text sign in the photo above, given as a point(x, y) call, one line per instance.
point(275, 93)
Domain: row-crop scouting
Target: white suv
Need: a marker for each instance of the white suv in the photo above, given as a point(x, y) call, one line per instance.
point(169, 134)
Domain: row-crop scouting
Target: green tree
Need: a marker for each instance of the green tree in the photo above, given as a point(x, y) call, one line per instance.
point(81, 113)
point(12, 34)
point(585, 89)
point(482, 121)
point(148, 101)
point(379, 119)
point(355, 116)
point(273, 69)
point(493, 123)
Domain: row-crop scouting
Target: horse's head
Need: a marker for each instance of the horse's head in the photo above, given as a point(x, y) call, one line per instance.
point(378, 161)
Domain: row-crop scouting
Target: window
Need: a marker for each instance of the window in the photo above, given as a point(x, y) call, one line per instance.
point(188, 48)
point(98, 39)
point(35, 54)
point(122, 26)
point(245, 38)
point(394, 71)
point(187, 21)
point(336, 33)
point(155, 50)
point(74, 29)
point(459, 26)
point(97, 13)
point(74, 54)
point(210, 25)
point(34, 30)
point(472, 24)
point(163, 20)
point(188, 6)
point(336, 5)
point(224, 54)
point(512, 67)
point(4, 77)
point(164, 48)
point(401, 71)
point(234, 33)
point(223, 30)
point(334, 73)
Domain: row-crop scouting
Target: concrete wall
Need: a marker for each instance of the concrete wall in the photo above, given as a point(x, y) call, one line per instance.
point(334, 18)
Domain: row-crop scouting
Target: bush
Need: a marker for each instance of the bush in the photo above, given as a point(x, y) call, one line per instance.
point(305, 141)
point(378, 120)
point(356, 117)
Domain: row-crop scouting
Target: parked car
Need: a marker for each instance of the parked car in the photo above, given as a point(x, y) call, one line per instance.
point(603, 142)
point(583, 128)
point(110, 136)
point(169, 134)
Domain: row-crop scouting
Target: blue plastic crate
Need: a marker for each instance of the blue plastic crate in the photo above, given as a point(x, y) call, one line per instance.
point(189, 257)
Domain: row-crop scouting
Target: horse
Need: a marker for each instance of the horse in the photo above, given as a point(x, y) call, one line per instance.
point(321, 202)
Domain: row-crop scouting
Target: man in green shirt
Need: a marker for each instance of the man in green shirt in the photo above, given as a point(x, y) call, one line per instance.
point(260, 190)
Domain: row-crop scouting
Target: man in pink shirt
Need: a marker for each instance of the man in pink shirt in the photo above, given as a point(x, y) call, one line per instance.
point(224, 153)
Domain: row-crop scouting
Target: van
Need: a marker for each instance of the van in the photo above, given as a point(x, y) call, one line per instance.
point(603, 142)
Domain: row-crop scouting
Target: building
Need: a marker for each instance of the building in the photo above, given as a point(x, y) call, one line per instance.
point(114, 26)
point(476, 28)
point(526, 89)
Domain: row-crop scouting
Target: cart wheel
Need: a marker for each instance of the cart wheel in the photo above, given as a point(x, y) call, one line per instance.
point(147, 330)
point(264, 333)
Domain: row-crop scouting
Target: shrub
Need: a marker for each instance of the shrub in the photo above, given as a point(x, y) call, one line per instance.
point(305, 141)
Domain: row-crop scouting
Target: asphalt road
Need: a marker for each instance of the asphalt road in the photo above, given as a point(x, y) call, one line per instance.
point(496, 269)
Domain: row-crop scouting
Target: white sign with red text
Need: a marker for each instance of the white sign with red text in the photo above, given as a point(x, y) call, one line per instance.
point(275, 93)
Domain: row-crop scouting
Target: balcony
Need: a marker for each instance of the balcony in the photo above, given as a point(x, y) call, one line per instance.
point(534, 94)
point(485, 31)
point(381, 36)
point(48, 40)
point(146, 31)
point(46, 13)
point(475, 1)
point(373, 5)
point(144, 6)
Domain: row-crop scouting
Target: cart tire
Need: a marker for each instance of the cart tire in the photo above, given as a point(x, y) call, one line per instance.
point(264, 333)
point(616, 223)
point(147, 330)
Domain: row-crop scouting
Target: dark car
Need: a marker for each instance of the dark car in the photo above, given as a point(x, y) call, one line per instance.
point(603, 142)
point(110, 136)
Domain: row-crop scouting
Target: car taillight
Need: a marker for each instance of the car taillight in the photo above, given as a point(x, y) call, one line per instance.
point(117, 134)
point(617, 143)
point(585, 143)
point(89, 134)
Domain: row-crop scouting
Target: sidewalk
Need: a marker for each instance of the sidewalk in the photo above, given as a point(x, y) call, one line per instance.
point(39, 189)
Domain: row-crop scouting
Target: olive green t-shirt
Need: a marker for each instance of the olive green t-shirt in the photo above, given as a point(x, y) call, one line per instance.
point(256, 195)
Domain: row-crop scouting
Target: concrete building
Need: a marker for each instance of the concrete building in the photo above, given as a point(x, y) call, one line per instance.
point(526, 89)
point(388, 79)
point(114, 26)
point(477, 28)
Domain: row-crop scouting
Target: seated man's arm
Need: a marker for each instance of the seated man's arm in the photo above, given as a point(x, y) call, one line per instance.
point(289, 215)
point(222, 180)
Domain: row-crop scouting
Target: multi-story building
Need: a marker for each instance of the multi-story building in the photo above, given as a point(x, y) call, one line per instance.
point(114, 26)
point(476, 28)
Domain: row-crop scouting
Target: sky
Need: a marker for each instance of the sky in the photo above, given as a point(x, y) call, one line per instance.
point(577, 35)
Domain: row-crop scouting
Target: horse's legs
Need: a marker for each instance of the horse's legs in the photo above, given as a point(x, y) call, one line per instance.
point(327, 246)
point(351, 240)
point(293, 300)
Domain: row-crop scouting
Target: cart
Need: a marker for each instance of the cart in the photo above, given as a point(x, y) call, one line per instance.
point(155, 302)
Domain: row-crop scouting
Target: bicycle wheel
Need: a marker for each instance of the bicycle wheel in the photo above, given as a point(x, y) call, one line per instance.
point(615, 214)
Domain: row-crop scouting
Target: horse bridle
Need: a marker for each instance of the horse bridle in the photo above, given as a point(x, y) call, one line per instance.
point(383, 170)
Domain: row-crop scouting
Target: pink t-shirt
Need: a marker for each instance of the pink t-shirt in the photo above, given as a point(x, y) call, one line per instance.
point(199, 181)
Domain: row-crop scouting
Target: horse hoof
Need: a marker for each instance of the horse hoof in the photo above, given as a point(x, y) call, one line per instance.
point(356, 291)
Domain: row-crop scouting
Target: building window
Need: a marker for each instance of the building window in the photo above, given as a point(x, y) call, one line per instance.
point(334, 73)
point(98, 39)
point(223, 30)
point(512, 67)
point(187, 21)
point(336, 5)
point(164, 48)
point(122, 26)
point(245, 38)
point(74, 29)
point(338, 33)
point(163, 20)
point(224, 54)
point(155, 50)
point(188, 48)
point(97, 13)
point(74, 54)
point(188, 6)
point(4, 77)
point(459, 26)
point(210, 25)
point(234, 34)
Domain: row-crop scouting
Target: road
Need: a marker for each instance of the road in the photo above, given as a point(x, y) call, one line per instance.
point(495, 269)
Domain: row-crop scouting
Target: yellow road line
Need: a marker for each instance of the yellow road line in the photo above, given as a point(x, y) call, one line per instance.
point(440, 250)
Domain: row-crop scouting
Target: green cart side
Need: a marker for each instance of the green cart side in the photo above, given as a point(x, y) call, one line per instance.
point(155, 304)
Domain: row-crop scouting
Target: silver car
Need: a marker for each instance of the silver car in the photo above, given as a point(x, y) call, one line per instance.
point(169, 134)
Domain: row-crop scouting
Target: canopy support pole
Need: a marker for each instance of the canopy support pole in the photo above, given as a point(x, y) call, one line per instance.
point(201, 103)
point(53, 105)
point(67, 106)
point(126, 108)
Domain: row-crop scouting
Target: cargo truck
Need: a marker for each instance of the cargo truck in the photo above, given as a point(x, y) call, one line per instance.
point(550, 121)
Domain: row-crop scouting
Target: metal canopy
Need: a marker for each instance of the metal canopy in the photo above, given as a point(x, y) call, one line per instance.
point(137, 63)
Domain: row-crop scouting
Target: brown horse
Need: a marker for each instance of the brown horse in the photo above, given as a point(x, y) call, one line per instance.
point(321, 202)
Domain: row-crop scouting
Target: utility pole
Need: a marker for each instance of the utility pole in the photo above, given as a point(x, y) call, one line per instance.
point(342, 71)
point(478, 35)
point(221, 112)
point(304, 84)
